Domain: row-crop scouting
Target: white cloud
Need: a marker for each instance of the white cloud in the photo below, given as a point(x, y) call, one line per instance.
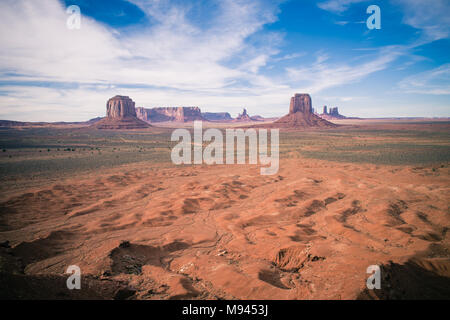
point(174, 54)
point(337, 6)
point(321, 75)
point(435, 82)
point(432, 17)
point(342, 23)
point(176, 61)
point(290, 56)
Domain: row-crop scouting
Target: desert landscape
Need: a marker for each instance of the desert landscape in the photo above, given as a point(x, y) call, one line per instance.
point(224, 155)
point(107, 198)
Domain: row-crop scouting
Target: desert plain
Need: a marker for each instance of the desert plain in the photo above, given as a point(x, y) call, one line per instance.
point(368, 192)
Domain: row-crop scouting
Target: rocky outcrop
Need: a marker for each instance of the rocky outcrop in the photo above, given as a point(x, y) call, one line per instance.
point(217, 116)
point(242, 117)
point(301, 114)
point(120, 114)
point(143, 114)
point(176, 114)
point(333, 114)
point(120, 107)
point(301, 102)
point(257, 118)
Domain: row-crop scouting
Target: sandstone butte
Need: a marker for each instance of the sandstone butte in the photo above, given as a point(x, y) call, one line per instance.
point(243, 116)
point(333, 114)
point(217, 116)
point(301, 114)
point(120, 114)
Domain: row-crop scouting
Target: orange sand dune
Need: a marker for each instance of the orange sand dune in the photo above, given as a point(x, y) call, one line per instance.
point(209, 232)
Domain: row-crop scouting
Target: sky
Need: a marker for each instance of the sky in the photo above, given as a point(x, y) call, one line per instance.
point(224, 55)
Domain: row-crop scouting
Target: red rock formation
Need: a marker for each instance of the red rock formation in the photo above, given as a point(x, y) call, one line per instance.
point(301, 115)
point(120, 107)
point(332, 115)
point(176, 114)
point(143, 114)
point(243, 116)
point(217, 116)
point(120, 114)
point(301, 103)
point(257, 118)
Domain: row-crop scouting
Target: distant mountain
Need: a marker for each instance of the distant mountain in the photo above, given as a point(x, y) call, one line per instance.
point(333, 114)
point(217, 116)
point(13, 124)
point(243, 117)
point(257, 118)
point(120, 114)
point(301, 114)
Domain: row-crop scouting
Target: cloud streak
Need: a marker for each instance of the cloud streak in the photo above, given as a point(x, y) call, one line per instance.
point(338, 6)
point(431, 17)
point(434, 82)
point(322, 75)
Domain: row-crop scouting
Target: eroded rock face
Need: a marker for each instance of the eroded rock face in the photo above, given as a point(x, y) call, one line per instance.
point(243, 116)
point(120, 114)
point(176, 114)
point(143, 114)
point(301, 114)
point(217, 116)
point(334, 111)
point(120, 107)
point(333, 114)
point(301, 102)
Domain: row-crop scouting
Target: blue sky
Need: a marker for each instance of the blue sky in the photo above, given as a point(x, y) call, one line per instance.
point(223, 55)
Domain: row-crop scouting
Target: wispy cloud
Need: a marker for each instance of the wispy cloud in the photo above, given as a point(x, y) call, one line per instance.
point(435, 82)
point(174, 53)
point(219, 59)
point(337, 6)
point(431, 17)
point(322, 75)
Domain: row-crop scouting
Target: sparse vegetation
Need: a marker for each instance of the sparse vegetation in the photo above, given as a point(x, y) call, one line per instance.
point(392, 147)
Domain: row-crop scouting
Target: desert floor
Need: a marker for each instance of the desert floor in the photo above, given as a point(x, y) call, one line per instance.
point(142, 228)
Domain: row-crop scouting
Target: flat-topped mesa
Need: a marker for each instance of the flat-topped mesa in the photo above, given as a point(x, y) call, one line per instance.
point(120, 114)
point(301, 114)
point(217, 116)
point(301, 102)
point(120, 107)
point(192, 114)
point(175, 114)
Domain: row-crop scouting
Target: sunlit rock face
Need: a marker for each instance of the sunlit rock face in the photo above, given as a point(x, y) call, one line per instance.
point(301, 114)
point(301, 102)
point(120, 107)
